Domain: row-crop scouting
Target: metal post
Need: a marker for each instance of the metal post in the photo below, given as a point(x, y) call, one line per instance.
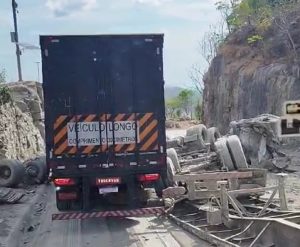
point(38, 70)
point(224, 201)
point(281, 191)
point(18, 51)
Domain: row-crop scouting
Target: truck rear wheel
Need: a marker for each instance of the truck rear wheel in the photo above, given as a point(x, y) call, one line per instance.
point(63, 205)
point(159, 187)
point(67, 205)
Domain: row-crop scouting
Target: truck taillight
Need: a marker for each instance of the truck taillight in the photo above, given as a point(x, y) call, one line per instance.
point(64, 181)
point(148, 177)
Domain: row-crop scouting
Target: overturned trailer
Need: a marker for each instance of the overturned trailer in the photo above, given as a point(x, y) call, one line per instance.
point(216, 193)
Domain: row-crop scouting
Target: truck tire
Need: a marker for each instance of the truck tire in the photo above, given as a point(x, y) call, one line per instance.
point(180, 141)
point(199, 130)
point(213, 135)
point(172, 154)
point(170, 173)
point(224, 154)
point(11, 173)
point(36, 169)
point(63, 205)
point(236, 151)
point(168, 181)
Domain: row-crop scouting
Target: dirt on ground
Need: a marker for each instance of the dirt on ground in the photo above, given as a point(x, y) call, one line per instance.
point(15, 218)
point(178, 124)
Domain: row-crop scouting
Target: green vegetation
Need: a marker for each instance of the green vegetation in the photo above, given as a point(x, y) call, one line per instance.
point(2, 76)
point(185, 104)
point(198, 111)
point(5, 96)
point(254, 39)
point(260, 15)
point(172, 105)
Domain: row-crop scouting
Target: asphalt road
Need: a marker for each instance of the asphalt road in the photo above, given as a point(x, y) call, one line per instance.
point(110, 232)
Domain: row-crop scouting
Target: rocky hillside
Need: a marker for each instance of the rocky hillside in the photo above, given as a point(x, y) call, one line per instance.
point(21, 126)
point(19, 138)
point(29, 98)
point(246, 79)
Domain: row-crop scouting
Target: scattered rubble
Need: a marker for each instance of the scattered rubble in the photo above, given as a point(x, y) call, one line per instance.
point(216, 195)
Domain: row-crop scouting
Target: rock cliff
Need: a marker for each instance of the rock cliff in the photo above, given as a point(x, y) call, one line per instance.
point(245, 80)
point(21, 121)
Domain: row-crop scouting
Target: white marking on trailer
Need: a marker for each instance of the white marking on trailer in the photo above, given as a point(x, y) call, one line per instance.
point(157, 51)
point(88, 133)
point(133, 163)
point(81, 166)
point(55, 41)
point(153, 162)
point(124, 154)
point(61, 167)
point(46, 52)
point(149, 40)
point(50, 154)
point(143, 153)
point(161, 149)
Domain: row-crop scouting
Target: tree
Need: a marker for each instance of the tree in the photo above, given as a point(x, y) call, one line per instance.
point(281, 20)
point(172, 105)
point(5, 95)
point(211, 41)
point(196, 75)
point(198, 110)
point(185, 98)
point(2, 76)
point(225, 7)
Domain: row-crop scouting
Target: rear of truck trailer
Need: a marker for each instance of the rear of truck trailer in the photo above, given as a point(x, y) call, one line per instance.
point(104, 117)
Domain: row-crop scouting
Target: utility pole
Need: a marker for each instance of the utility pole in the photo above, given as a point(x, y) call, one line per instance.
point(18, 51)
point(38, 70)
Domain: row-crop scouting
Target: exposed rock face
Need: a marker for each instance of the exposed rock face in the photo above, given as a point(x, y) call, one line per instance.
point(244, 81)
point(19, 138)
point(28, 96)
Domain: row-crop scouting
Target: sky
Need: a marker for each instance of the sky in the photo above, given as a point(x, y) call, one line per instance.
point(182, 21)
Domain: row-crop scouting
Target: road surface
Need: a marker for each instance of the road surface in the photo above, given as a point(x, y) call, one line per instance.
point(171, 133)
point(112, 232)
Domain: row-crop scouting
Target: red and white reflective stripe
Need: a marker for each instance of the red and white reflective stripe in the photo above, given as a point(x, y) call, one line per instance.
point(118, 213)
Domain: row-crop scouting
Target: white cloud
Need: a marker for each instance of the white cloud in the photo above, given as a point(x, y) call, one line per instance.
point(191, 10)
point(68, 7)
point(152, 2)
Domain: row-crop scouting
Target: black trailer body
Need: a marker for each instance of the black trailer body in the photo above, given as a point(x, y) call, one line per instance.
point(104, 115)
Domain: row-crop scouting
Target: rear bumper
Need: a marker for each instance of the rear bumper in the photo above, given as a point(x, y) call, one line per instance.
point(118, 213)
point(100, 172)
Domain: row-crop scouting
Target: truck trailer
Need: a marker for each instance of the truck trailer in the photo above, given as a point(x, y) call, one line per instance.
point(104, 118)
